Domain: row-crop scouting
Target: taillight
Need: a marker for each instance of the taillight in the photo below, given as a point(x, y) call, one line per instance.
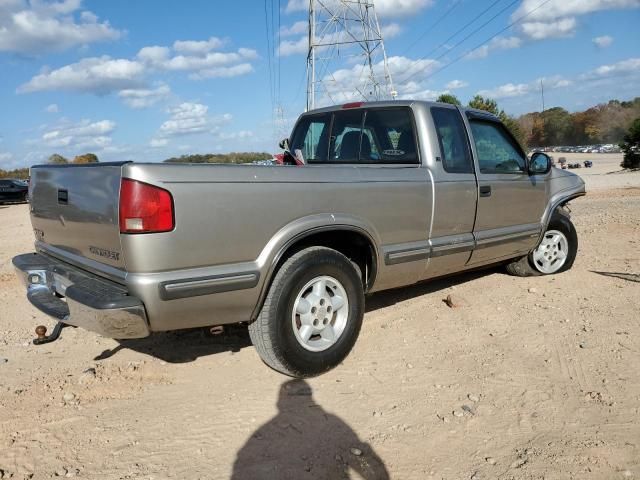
point(145, 208)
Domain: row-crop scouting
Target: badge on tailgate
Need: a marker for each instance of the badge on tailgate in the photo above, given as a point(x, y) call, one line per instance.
point(104, 253)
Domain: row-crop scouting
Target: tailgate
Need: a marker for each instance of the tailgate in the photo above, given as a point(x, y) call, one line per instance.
point(74, 209)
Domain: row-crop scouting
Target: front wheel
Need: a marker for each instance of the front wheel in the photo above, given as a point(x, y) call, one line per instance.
point(555, 253)
point(312, 314)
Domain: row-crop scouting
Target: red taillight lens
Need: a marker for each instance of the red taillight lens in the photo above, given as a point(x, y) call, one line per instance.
point(144, 208)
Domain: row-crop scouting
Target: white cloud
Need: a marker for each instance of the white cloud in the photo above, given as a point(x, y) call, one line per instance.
point(197, 47)
point(390, 30)
point(138, 98)
point(99, 75)
point(506, 91)
point(498, 43)
point(603, 41)
point(191, 118)
point(620, 69)
point(160, 58)
point(292, 47)
point(384, 8)
point(558, 17)
point(223, 72)
point(455, 84)
point(81, 135)
point(37, 27)
point(564, 27)
point(53, 108)
point(297, 28)
point(5, 156)
point(104, 75)
point(511, 90)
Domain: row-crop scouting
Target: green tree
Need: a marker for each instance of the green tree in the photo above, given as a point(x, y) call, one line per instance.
point(487, 104)
point(449, 98)
point(57, 159)
point(86, 158)
point(631, 146)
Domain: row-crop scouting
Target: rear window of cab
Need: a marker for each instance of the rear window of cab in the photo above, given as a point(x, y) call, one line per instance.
point(364, 136)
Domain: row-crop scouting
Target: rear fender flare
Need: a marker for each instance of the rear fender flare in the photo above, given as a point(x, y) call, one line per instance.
point(304, 227)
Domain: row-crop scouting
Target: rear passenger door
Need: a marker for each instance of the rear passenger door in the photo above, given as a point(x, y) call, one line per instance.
point(510, 201)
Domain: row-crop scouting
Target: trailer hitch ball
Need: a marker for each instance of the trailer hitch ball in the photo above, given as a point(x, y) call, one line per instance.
point(41, 332)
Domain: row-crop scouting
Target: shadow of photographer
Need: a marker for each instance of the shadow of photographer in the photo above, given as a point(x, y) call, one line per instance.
point(303, 441)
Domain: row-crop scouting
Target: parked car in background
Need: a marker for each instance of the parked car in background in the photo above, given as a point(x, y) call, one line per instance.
point(13, 190)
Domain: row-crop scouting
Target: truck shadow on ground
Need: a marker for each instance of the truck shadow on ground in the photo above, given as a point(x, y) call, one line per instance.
point(389, 298)
point(305, 441)
point(183, 346)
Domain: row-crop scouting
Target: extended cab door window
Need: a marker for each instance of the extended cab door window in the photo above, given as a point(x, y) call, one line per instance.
point(346, 134)
point(497, 151)
point(386, 136)
point(311, 138)
point(390, 133)
point(452, 138)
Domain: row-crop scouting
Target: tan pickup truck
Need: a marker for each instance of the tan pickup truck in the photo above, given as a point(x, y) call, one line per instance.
point(388, 194)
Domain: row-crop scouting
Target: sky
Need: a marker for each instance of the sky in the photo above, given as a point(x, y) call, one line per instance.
point(146, 80)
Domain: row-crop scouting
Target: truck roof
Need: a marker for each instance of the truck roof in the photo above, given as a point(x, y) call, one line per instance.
point(396, 103)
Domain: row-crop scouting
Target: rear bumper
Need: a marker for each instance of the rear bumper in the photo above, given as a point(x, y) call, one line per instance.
point(78, 298)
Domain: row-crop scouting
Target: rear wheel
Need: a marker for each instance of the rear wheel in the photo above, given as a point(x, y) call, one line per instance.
point(555, 253)
point(312, 315)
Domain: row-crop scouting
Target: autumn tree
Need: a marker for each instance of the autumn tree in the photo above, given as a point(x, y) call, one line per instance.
point(86, 158)
point(56, 159)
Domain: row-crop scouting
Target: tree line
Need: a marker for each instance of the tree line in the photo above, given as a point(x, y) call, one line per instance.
point(233, 157)
point(606, 123)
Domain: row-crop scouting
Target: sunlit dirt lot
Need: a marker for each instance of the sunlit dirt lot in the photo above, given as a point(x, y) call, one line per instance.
point(531, 378)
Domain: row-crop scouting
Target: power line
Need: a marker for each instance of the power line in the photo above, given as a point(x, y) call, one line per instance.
point(460, 30)
point(468, 52)
point(266, 22)
point(433, 26)
point(461, 41)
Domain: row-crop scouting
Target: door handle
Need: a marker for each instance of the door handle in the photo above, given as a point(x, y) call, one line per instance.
point(485, 190)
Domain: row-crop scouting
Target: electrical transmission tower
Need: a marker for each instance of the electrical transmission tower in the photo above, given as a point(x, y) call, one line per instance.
point(346, 60)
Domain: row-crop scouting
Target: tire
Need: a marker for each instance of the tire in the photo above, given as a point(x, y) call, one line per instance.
point(527, 266)
point(278, 334)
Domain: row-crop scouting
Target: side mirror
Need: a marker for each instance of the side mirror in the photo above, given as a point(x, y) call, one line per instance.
point(284, 144)
point(539, 164)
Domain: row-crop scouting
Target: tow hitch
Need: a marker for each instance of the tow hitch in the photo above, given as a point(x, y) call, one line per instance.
point(41, 332)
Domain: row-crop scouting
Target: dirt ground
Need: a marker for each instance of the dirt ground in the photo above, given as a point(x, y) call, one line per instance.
point(534, 378)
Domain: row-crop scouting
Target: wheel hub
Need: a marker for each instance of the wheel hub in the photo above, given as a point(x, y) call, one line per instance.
point(320, 313)
point(552, 252)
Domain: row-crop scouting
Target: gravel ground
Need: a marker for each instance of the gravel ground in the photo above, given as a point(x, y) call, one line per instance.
point(535, 378)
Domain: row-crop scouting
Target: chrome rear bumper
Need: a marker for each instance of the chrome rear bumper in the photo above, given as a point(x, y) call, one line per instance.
point(78, 298)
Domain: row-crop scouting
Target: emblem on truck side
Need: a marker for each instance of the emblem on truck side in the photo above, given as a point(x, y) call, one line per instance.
point(103, 252)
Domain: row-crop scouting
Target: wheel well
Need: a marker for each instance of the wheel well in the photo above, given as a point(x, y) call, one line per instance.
point(354, 245)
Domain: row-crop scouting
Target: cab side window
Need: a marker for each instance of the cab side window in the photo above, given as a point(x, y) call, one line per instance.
point(311, 138)
point(452, 137)
point(497, 151)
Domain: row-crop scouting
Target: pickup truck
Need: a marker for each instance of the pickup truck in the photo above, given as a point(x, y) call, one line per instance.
point(388, 194)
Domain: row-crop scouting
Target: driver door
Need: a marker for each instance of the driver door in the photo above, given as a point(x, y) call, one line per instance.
point(510, 201)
